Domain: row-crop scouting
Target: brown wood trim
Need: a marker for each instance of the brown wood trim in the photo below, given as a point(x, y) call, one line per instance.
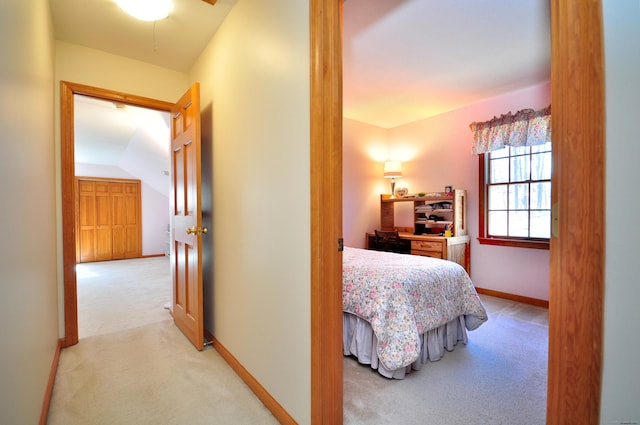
point(515, 243)
point(513, 297)
point(326, 211)
point(67, 91)
point(68, 215)
point(153, 255)
point(263, 395)
point(482, 196)
point(577, 246)
point(52, 379)
point(482, 219)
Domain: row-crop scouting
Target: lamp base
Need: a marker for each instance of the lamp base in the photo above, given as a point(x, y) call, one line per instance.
point(393, 188)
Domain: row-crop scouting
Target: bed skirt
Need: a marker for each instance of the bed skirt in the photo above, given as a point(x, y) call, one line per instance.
point(359, 340)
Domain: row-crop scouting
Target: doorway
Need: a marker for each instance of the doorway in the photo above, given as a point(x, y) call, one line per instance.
point(577, 245)
point(68, 92)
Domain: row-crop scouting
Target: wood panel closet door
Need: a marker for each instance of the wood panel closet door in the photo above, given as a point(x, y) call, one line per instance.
point(108, 219)
point(103, 239)
point(86, 217)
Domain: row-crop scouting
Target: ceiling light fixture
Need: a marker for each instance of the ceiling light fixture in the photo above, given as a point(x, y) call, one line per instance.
point(146, 10)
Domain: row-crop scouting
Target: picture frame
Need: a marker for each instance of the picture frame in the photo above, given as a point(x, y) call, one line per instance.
point(448, 189)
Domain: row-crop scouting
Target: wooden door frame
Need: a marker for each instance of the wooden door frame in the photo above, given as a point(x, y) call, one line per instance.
point(577, 251)
point(67, 165)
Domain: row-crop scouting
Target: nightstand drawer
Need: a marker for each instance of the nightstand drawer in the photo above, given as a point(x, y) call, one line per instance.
point(433, 254)
point(426, 246)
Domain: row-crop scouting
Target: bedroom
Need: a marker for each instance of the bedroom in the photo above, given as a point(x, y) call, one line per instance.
point(433, 139)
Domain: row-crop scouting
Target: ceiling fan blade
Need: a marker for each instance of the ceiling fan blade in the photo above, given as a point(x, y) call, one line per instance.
point(211, 2)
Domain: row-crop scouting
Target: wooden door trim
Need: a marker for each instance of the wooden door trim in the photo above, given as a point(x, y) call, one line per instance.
point(326, 211)
point(577, 257)
point(67, 182)
point(576, 296)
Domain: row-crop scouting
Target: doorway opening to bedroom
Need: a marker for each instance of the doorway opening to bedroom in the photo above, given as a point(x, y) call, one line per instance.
point(117, 211)
point(121, 164)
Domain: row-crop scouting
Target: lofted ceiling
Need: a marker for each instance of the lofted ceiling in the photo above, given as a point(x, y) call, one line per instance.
point(404, 60)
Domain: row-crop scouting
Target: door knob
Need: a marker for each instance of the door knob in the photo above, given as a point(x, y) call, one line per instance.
point(196, 230)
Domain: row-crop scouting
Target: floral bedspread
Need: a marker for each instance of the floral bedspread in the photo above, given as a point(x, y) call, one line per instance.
point(403, 296)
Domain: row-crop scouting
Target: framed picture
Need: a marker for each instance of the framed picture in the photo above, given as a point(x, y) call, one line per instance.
point(448, 189)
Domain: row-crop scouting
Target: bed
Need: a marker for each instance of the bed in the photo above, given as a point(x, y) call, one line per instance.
point(402, 311)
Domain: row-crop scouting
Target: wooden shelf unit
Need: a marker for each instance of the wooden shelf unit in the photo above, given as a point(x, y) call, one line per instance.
point(450, 207)
point(427, 238)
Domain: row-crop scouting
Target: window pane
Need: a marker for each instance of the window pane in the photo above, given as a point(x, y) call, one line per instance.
point(498, 223)
point(498, 197)
point(540, 224)
point(519, 196)
point(520, 168)
point(520, 150)
point(499, 170)
point(541, 196)
point(500, 153)
point(541, 148)
point(519, 223)
point(541, 166)
point(518, 193)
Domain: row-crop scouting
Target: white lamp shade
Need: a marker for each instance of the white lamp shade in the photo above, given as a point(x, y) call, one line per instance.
point(392, 169)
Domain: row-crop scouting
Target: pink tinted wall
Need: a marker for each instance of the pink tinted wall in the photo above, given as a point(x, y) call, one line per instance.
point(436, 152)
point(364, 149)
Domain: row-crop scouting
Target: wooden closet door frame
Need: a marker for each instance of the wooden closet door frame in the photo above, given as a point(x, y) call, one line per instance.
point(577, 248)
point(106, 179)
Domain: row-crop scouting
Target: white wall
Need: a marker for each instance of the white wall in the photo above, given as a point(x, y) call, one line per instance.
point(155, 206)
point(621, 373)
point(436, 152)
point(28, 292)
point(254, 79)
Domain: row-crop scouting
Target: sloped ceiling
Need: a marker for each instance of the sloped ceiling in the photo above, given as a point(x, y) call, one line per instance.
point(133, 139)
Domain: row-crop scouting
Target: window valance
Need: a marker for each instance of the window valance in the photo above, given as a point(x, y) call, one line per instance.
point(524, 128)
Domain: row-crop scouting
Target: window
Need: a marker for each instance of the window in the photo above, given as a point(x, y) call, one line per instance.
point(515, 196)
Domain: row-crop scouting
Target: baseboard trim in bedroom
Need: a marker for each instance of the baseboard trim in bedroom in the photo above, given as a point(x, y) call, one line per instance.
point(52, 378)
point(263, 395)
point(152, 255)
point(513, 297)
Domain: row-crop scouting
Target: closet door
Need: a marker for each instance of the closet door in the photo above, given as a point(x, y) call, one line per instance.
point(108, 219)
point(104, 233)
point(86, 227)
point(118, 206)
point(132, 221)
point(125, 198)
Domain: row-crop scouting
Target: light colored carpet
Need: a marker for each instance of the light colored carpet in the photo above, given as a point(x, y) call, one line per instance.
point(149, 375)
point(122, 294)
point(133, 366)
point(500, 377)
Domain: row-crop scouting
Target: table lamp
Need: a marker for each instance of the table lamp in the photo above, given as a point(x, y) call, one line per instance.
point(392, 170)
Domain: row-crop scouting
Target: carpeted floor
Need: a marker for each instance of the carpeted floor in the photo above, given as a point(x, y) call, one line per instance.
point(133, 366)
point(500, 377)
point(122, 294)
